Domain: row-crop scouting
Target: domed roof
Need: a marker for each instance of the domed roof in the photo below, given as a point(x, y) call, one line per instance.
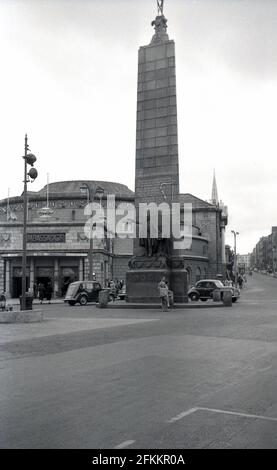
point(73, 188)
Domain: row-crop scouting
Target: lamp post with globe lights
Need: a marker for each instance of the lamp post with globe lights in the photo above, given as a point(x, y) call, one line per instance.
point(91, 191)
point(235, 260)
point(29, 176)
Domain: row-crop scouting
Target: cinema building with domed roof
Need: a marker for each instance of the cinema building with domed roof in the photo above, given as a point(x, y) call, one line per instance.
point(58, 248)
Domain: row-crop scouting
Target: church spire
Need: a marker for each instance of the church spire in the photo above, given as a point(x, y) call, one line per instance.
point(214, 192)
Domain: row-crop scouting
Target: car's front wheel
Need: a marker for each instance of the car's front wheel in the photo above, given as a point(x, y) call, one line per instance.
point(194, 297)
point(83, 300)
point(71, 302)
point(234, 299)
point(204, 300)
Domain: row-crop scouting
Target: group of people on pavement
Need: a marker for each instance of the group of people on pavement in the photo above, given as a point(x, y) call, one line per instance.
point(5, 305)
point(241, 280)
point(45, 292)
point(115, 287)
point(41, 291)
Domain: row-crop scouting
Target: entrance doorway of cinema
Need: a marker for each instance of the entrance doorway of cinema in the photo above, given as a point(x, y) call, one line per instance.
point(17, 286)
point(44, 275)
point(17, 281)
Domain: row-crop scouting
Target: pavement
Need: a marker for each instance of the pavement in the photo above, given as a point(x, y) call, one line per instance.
point(15, 301)
point(111, 378)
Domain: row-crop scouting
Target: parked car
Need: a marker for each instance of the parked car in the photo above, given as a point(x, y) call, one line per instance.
point(122, 293)
point(203, 290)
point(82, 292)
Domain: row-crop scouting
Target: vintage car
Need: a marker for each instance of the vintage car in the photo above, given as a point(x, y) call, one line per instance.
point(82, 292)
point(204, 289)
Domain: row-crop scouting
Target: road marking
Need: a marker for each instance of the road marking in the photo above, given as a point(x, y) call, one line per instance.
point(214, 410)
point(182, 415)
point(124, 444)
point(236, 413)
point(265, 369)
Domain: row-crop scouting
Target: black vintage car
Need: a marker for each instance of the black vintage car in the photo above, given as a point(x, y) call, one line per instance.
point(82, 292)
point(204, 289)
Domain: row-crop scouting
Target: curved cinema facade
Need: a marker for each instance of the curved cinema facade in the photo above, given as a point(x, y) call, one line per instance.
point(58, 248)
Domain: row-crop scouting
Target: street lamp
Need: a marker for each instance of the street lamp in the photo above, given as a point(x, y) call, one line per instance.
point(91, 192)
point(29, 159)
point(235, 250)
point(273, 258)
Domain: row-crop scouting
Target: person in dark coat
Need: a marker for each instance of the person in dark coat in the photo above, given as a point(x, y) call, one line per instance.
point(41, 292)
point(35, 289)
point(49, 292)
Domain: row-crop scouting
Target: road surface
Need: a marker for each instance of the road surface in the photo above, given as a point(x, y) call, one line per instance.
point(95, 378)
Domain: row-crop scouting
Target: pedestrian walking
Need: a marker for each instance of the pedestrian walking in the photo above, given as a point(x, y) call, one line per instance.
point(117, 287)
point(113, 292)
point(163, 293)
point(49, 292)
point(3, 301)
point(41, 292)
point(240, 282)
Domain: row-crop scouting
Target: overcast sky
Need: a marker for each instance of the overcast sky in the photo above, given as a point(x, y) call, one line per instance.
point(68, 79)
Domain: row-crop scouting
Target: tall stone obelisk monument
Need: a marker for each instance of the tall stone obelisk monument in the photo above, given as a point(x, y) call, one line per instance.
point(157, 168)
point(157, 171)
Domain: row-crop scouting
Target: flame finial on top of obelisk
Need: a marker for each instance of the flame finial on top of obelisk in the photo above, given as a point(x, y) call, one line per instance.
point(160, 25)
point(160, 5)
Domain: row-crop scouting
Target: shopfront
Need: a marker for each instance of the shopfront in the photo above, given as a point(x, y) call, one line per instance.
point(60, 271)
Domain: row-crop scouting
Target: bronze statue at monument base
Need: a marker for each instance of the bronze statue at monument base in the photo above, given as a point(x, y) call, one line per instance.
point(142, 284)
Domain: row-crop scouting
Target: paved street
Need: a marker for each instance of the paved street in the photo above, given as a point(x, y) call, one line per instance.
point(92, 378)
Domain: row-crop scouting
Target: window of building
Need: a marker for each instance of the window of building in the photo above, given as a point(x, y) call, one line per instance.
point(73, 215)
point(198, 274)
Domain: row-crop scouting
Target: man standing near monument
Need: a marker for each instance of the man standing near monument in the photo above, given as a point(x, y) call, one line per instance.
point(163, 292)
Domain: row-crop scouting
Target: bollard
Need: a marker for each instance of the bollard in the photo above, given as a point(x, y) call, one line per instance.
point(216, 295)
point(29, 301)
point(103, 298)
point(227, 298)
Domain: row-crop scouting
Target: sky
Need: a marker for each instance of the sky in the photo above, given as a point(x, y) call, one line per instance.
point(68, 79)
